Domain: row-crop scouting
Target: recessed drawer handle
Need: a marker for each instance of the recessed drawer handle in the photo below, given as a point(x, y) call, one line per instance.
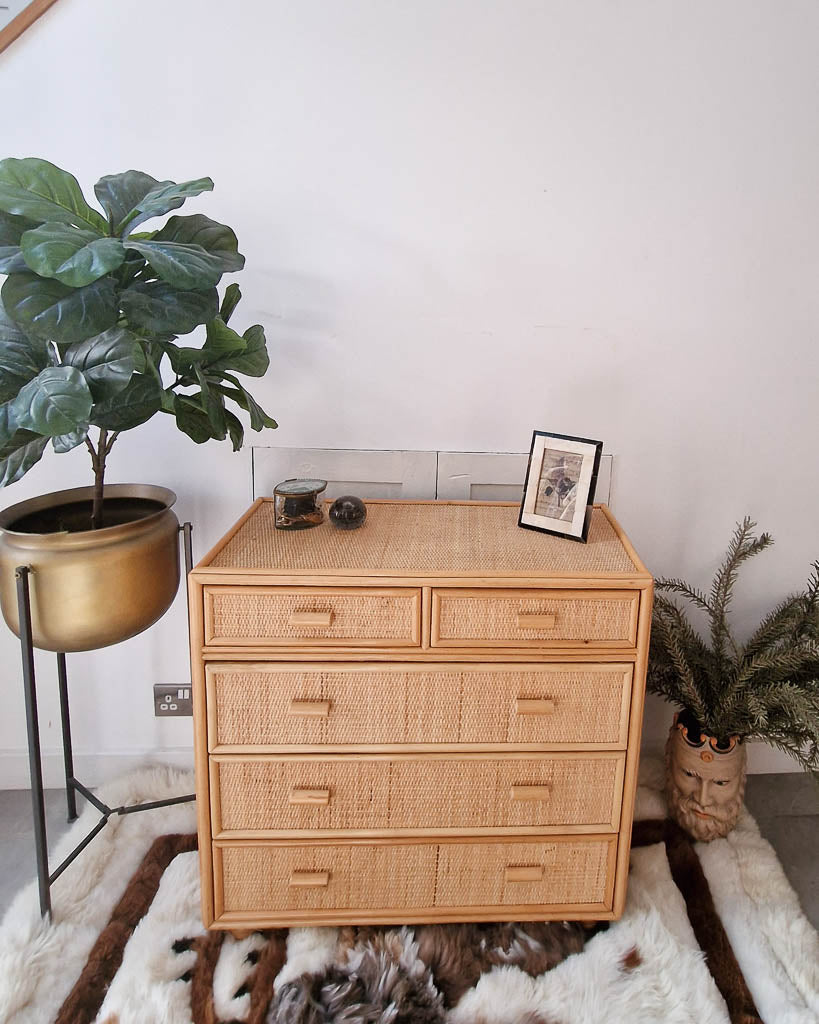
point(312, 797)
point(530, 792)
point(537, 706)
point(310, 619)
point(527, 621)
point(309, 879)
point(309, 708)
point(533, 873)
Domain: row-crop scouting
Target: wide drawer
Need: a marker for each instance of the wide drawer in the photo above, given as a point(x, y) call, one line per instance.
point(388, 793)
point(284, 706)
point(534, 618)
point(312, 616)
point(416, 880)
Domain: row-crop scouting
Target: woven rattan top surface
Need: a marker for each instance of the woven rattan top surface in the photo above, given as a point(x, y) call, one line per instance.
point(423, 538)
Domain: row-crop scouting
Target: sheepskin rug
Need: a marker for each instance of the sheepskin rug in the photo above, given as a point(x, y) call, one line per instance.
point(126, 945)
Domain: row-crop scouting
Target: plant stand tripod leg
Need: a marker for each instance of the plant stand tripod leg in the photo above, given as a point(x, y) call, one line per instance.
point(187, 546)
point(68, 754)
point(33, 729)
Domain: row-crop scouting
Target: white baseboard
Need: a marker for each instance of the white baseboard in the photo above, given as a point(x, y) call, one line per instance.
point(90, 769)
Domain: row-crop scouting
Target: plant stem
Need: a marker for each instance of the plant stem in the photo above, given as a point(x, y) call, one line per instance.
point(98, 457)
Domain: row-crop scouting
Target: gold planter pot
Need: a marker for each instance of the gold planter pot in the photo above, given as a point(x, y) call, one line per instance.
point(91, 588)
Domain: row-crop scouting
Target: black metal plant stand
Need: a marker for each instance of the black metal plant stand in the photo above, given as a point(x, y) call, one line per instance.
point(72, 785)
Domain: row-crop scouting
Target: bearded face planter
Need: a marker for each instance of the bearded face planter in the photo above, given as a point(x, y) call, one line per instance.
point(731, 690)
point(705, 780)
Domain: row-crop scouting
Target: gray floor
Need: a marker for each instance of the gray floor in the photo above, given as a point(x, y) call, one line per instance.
point(785, 806)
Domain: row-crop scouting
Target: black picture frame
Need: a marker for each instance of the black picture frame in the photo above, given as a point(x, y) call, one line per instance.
point(556, 501)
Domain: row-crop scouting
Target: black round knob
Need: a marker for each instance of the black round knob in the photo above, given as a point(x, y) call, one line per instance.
point(348, 512)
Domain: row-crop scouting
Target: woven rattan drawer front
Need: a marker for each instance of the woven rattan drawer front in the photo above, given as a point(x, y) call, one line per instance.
point(563, 871)
point(419, 879)
point(268, 877)
point(281, 706)
point(432, 792)
point(534, 618)
point(312, 616)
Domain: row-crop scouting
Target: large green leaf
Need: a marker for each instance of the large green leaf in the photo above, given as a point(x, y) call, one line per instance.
point(213, 403)
point(165, 196)
point(11, 260)
point(106, 361)
point(192, 420)
point(119, 194)
point(133, 270)
point(11, 231)
point(222, 341)
point(217, 239)
point(12, 228)
point(57, 401)
point(158, 307)
point(258, 417)
point(53, 310)
point(74, 256)
point(136, 403)
point(65, 442)
point(38, 190)
point(23, 450)
point(149, 353)
point(253, 360)
point(230, 301)
point(9, 329)
point(21, 359)
point(8, 422)
point(184, 266)
point(184, 358)
point(235, 430)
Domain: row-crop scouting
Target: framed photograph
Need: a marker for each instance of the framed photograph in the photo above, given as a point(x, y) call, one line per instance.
point(560, 481)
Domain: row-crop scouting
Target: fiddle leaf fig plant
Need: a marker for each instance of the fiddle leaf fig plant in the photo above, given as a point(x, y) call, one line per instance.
point(91, 311)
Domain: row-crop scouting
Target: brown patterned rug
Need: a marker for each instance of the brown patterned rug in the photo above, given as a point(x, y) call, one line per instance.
point(370, 980)
point(710, 935)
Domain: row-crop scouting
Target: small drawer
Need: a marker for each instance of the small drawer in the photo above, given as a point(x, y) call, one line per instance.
point(264, 707)
point(535, 618)
point(565, 871)
point(412, 881)
point(264, 878)
point(312, 617)
point(269, 796)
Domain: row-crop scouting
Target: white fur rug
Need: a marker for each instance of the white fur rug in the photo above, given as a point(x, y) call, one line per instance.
point(645, 968)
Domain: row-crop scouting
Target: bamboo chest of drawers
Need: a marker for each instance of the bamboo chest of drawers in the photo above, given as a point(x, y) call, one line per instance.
point(435, 717)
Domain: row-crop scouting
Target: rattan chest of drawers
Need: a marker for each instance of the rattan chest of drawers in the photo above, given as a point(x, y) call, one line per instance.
point(434, 718)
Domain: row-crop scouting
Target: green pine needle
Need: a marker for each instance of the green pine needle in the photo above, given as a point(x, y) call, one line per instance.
point(768, 688)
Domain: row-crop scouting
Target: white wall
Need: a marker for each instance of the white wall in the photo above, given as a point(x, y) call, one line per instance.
point(463, 220)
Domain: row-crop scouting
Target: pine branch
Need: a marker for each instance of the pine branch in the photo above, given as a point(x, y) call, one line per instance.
point(688, 692)
point(770, 687)
point(677, 586)
point(743, 545)
point(707, 670)
point(784, 708)
point(775, 665)
point(784, 623)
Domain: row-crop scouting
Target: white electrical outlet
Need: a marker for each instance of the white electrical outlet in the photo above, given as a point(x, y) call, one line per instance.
point(172, 699)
